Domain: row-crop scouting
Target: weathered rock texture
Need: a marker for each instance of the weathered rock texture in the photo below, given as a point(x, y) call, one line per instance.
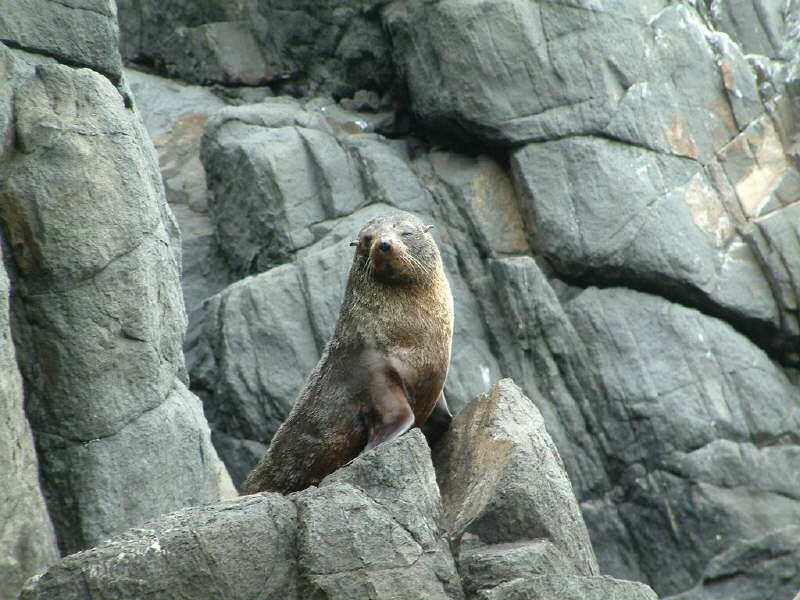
point(634, 147)
point(27, 542)
point(615, 191)
point(509, 508)
point(375, 528)
point(502, 480)
point(240, 549)
point(303, 46)
point(93, 255)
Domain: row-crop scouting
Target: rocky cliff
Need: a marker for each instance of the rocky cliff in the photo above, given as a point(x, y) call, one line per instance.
point(615, 191)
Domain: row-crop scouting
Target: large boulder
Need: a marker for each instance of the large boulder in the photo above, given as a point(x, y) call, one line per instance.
point(98, 312)
point(82, 32)
point(371, 527)
point(509, 508)
point(239, 550)
point(374, 528)
point(502, 479)
point(513, 71)
point(697, 427)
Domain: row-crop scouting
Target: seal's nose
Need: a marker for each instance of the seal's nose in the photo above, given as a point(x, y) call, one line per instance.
point(384, 244)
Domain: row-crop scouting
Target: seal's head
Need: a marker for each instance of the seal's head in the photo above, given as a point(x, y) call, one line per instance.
point(396, 248)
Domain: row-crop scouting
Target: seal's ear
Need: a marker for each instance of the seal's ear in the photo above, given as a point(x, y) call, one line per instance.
point(354, 243)
point(428, 228)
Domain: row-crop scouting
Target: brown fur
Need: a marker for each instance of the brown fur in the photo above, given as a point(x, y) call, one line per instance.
point(385, 366)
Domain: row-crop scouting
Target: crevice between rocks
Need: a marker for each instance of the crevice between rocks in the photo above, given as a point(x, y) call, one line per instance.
point(778, 345)
point(115, 80)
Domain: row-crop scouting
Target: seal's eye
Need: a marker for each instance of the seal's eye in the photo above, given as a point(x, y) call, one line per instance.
point(367, 240)
point(407, 234)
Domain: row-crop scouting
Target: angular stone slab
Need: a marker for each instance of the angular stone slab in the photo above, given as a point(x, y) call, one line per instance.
point(77, 32)
point(372, 528)
point(486, 567)
point(240, 550)
point(502, 480)
point(98, 309)
point(569, 587)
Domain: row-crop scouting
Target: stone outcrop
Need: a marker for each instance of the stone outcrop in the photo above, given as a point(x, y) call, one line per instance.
point(614, 188)
point(377, 527)
point(27, 542)
point(93, 256)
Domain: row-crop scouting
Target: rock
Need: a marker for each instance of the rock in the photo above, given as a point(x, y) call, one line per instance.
point(502, 480)
point(590, 229)
point(373, 528)
point(163, 102)
point(514, 71)
point(27, 542)
point(757, 26)
point(82, 32)
point(97, 306)
point(237, 550)
point(262, 212)
point(764, 568)
point(250, 358)
point(695, 458)
point(147, 26)
point(486, 567)
point(226, 53)
point(89, 493)
point(561, 587)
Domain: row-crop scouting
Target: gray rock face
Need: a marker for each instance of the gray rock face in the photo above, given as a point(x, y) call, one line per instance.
point(373, 528)
point(242, 549)
point(303, 46)
point(98, 316)
point(694, 450)
point(763, 568)
point(376, 527)
point(80, 32)
point(503, 481)
point(27, 542)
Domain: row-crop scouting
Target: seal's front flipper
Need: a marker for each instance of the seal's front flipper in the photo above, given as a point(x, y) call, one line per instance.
point(438, 422)
point(391, 415)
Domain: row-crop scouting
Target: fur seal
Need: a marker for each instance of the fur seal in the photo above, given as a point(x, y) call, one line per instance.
point(383, 370)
